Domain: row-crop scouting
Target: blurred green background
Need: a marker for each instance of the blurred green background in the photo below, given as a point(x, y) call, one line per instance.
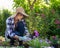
point(44, 16)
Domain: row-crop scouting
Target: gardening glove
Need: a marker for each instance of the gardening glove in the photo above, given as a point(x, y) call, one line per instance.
point(26, 38)
point(21, 38)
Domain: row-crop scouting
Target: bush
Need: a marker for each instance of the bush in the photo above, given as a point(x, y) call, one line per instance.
point(3, 16)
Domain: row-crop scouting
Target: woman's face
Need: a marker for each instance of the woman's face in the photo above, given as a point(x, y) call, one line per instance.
point(19, 16)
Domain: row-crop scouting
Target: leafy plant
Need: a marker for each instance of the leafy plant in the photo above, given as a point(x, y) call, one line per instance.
point(44, 43)
point(42, 14)
point(35, 43)
point(3, 16)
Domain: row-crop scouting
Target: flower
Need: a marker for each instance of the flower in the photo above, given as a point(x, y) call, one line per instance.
point(2, 38)
point(36, 33)
point(57, 21)
point(54, 37)
point(43, 15)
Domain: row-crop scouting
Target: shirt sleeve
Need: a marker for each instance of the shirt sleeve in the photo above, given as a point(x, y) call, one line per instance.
point(9, 27)
point(26, 31)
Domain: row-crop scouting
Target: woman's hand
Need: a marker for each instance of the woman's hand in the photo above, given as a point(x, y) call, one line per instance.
point(16, 37)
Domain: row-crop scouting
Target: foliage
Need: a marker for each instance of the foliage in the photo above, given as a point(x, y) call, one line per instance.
point(42, 15)
point(54, 39)
point(3, 16)
point(35, 43)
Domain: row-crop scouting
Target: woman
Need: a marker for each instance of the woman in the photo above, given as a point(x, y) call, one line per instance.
point(15, 26)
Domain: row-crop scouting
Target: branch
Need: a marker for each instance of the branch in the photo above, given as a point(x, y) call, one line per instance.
point(29, 2)
point(33, 4)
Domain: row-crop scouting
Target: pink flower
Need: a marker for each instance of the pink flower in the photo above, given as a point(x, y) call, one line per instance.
point(57, 21)
point(36, 33)
point(54, 37)
point(43, 15)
